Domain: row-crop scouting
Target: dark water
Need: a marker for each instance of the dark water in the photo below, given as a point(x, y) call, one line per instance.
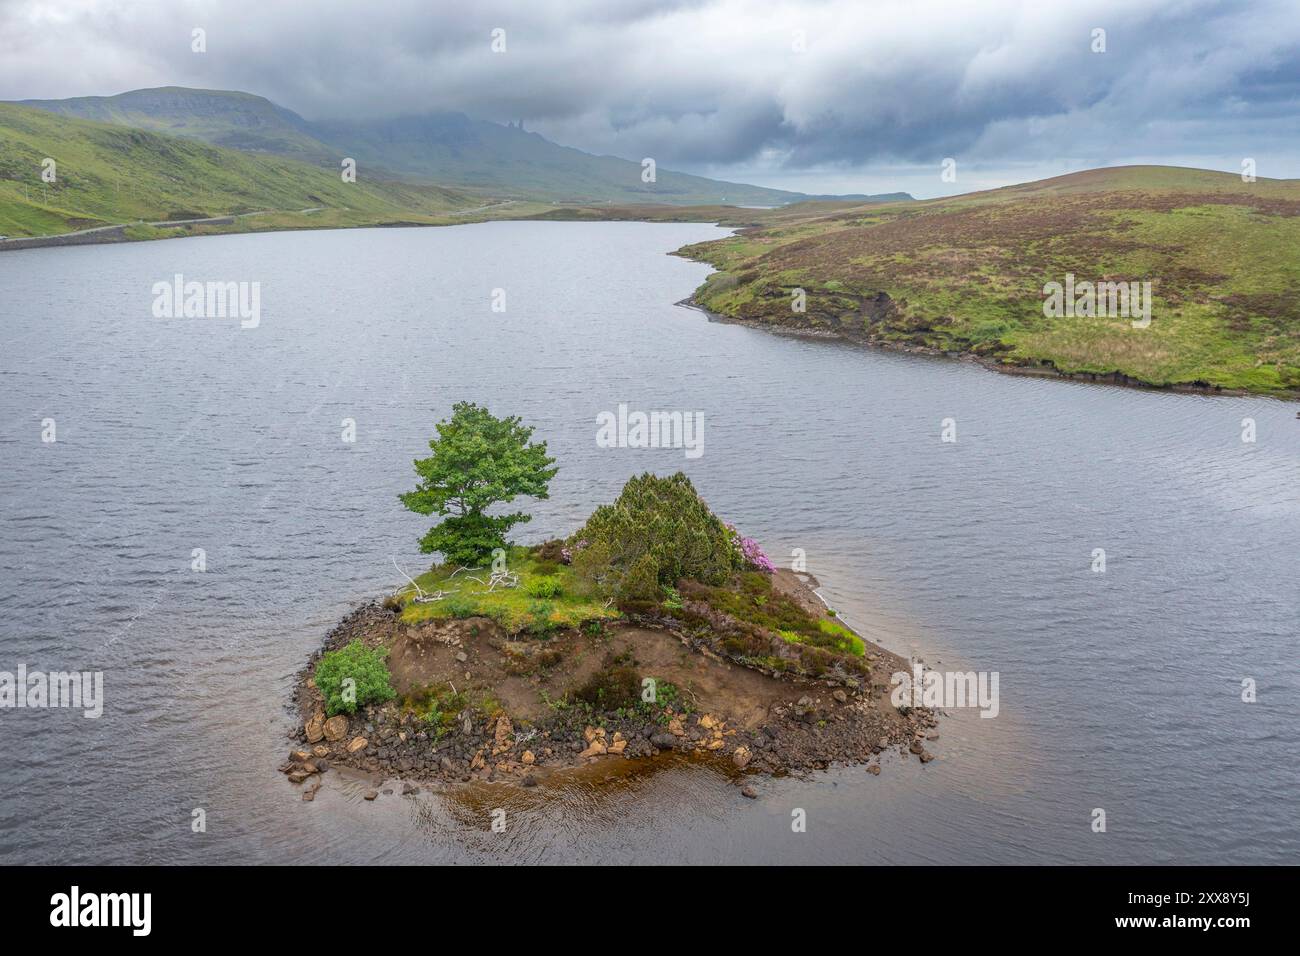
point(1119, 690)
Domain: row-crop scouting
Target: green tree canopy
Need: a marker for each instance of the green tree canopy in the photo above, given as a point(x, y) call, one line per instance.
point(478, 461)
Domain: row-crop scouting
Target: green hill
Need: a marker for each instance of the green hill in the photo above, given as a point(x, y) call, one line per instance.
point(115, 174)
point(446, 148)
point(235, 120)
point(967, 274)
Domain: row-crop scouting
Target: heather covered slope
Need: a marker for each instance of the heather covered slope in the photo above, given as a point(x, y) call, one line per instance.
point(966, 274)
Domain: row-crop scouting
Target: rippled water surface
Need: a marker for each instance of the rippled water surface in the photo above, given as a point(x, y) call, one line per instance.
point(1119, 690)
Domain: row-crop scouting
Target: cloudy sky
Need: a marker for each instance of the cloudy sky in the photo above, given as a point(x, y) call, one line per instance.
point(816, 95)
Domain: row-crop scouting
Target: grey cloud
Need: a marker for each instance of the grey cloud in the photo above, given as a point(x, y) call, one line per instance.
point(718, 83)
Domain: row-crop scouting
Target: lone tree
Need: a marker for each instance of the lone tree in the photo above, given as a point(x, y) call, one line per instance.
point(478, 460)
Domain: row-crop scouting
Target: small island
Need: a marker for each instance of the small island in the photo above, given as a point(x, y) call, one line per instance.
point(654, 628)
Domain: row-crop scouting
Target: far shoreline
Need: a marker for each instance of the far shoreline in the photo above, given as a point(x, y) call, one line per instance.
point(1025, 371)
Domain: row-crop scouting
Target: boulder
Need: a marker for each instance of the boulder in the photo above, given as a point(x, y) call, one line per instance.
point(741, 757)
point(315, 728)
point(357, 743)
point(336, 728)
point(597, 748)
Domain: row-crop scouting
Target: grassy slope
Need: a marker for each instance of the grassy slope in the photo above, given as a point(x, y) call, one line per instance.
point(113, 174)
point(220, 117)
point(966, 273)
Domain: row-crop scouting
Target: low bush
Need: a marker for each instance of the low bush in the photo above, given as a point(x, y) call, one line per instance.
point(658, 531)
point(352, 677)
point(547, 586)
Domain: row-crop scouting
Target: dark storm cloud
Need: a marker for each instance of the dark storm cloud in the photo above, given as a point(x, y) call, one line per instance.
point(720, 83)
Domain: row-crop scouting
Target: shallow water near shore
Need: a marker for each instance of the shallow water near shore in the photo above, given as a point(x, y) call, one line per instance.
point(1119, 690)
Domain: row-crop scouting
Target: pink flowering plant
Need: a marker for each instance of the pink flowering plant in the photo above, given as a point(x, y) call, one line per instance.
point(748, 551)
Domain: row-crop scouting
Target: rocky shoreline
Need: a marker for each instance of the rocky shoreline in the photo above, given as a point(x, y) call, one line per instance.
point(750, 721)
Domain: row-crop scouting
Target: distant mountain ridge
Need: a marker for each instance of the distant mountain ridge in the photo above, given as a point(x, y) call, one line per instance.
point(450, 149)
point(109, 174)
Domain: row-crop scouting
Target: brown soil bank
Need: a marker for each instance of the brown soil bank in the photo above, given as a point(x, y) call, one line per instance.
point(518, 709)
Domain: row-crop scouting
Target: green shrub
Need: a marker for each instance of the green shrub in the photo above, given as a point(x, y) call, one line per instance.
point(361, 665)
point(672, 599)
point(640, 584)
point(658, 531)
point(544, 587)
point(542, 626)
